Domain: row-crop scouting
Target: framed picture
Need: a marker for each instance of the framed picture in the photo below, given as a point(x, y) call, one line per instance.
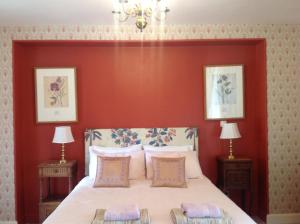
point(224, 92)
point(55, 95)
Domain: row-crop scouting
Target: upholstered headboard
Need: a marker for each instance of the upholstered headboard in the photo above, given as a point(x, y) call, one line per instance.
point(123, 137)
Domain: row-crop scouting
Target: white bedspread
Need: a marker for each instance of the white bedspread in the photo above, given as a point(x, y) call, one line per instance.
point(81, 204)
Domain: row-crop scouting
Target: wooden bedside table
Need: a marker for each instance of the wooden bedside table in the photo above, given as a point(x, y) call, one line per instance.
point(236, 174)
point(48, 170)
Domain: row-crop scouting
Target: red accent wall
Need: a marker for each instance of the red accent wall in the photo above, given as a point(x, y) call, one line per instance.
point(137, 84)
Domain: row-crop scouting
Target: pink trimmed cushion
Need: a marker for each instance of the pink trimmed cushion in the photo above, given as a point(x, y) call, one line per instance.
point(192, 166)
point(168, 172)
point(112, 172)
point(137, 161)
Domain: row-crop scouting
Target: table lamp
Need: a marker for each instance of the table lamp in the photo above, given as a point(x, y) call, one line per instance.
point(62, 135)
point(230, 131)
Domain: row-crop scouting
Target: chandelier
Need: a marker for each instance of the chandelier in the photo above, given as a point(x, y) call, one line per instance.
point(141, 10)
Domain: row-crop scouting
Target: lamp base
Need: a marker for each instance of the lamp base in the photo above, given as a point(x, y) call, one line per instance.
point(231, 156)
point(62, 161)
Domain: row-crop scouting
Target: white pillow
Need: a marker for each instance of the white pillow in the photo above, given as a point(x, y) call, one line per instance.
point(169, 148)
point(137, 161)
point(104, 149)
point(192, 165)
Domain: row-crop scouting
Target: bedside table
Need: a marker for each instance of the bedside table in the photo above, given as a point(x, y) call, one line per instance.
point(50, 170)
point(236, 174)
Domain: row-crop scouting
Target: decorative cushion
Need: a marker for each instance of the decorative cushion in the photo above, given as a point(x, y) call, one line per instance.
point(168, 172)
point(192, 166)
point(137, 162)
point(112, 171)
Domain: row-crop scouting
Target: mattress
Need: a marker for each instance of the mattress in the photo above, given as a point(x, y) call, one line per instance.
point(80, 205)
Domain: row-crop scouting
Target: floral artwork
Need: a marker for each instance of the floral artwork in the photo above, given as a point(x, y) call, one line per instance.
point(125, 137)
point(191, 133)
point(56, 91)
point(161, 136)
point(225, 86)
point(119, 138)
point(224, 92)
point(56, 96)
point(91, 135)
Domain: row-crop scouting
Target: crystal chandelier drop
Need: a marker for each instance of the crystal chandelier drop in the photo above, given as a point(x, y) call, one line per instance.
point(141, 10)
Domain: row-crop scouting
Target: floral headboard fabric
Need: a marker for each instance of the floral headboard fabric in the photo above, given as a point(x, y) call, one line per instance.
point(123, 137)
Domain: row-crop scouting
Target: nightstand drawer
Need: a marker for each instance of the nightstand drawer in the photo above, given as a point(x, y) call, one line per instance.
point(237, 166)
point(237, 179)
point(54, 172)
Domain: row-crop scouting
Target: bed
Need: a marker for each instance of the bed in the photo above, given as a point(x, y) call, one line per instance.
point(80, 205)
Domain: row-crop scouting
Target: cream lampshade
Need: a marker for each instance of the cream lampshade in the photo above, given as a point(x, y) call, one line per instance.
point(230, 131)
point(62, 135)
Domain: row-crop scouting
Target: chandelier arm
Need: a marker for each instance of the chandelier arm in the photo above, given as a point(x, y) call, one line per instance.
point(136, 10)
point(134, 13)
point(128, 11)
point(124, 19)
point(148, 12)
point(158, 18)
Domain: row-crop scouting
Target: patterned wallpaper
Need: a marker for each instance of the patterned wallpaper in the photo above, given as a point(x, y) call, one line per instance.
point(283, 58)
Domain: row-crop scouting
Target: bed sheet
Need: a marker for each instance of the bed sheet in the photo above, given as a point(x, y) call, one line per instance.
point(80, 205)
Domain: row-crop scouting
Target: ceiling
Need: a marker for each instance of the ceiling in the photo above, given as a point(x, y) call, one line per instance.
point(39, 12)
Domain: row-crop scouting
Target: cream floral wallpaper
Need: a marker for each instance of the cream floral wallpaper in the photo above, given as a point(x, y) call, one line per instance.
point(283, 60)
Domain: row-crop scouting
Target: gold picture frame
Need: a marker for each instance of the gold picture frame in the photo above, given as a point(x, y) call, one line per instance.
point(55, 95)
point(224, 92)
